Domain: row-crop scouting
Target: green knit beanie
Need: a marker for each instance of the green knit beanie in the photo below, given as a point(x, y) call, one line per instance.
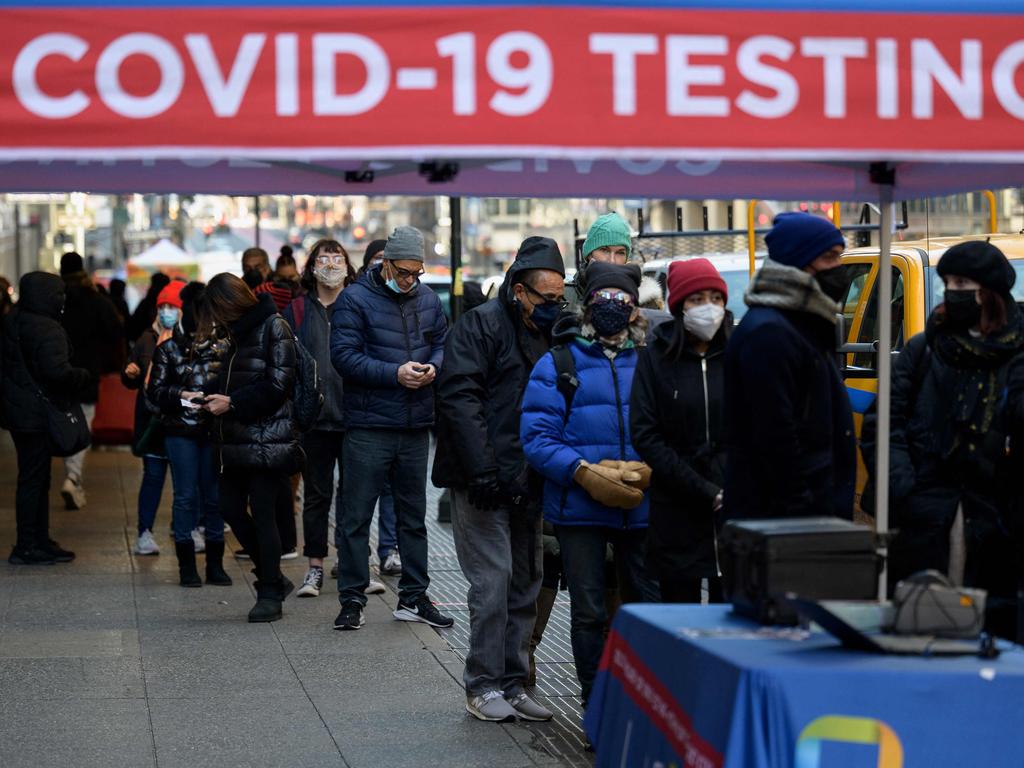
point(610, 229)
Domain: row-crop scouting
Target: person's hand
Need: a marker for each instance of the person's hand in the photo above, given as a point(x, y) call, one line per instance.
point(217, 404)
point(185, 395)
point(132, 371)
point(606, 486)
point(485, 493)
point(429, 375)
point(716, 506)
point(411, 378)
point(634, 473)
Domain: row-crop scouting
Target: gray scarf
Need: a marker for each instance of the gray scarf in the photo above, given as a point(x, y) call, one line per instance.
point(783, 287)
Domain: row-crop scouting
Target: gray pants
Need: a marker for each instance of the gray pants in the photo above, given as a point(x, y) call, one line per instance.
point(73, 464)
point(501, 554)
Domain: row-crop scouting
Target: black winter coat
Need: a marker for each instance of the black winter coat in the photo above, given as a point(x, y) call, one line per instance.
point(789, 425)
point(181, 365)
point(675, 420)
point(487, 362)
point(94, 329)
point(946, 450)
point(259, 431)
point(42, 359)
point(142, 356)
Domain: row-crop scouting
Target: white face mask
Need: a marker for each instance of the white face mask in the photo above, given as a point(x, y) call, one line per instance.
point(704, 321)
point(329, 277)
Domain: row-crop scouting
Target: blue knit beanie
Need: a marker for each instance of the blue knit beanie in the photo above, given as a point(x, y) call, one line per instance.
point(797, 239)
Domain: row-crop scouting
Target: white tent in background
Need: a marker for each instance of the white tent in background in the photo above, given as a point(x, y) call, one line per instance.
point(163, 253)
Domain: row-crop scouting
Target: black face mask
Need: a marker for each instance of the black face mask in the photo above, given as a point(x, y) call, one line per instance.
point(833, 283)
point(544, 315)
point(962, 309)
point(610, 318)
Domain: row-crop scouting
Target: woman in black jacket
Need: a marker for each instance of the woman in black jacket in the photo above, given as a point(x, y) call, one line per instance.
point(676, 424)
point(36, 363)
point(259, 439)
point(951, 484)
point(184, 370)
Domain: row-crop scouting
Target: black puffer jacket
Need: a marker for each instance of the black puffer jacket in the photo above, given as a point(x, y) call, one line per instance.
point(181, 365)
point(487, 362)
point(675, 420)
point(259, 432)
point(42, 359)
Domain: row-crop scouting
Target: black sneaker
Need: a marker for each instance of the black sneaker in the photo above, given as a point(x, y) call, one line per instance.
point(351, 617)
point(424, 611)
point(20, 556)
point(59, 554)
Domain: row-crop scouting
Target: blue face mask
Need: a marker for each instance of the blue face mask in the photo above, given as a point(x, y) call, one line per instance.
point(610, 318)
point(168, 317)
point(393, 285)
point(544, 315)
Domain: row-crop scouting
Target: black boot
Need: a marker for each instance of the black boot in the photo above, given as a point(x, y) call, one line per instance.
point(187, 573)
point(215, 573)
point(266, 609)
point(269, 596)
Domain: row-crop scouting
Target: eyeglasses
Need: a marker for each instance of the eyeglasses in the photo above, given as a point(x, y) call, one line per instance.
point(620, 296)
point(562, 303)
point(331, 258)
point(404, 274)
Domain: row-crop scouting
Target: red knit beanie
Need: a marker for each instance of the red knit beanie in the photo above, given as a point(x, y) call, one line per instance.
point(171, 294)
point(689, 276)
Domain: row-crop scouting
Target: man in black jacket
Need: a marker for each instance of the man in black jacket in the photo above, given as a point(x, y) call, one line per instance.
point(496, 515)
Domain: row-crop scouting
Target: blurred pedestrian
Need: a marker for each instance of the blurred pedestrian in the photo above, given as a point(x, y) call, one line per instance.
point(37, 365)
point(952, 485)
point(387, 341)
point(145, 312)
point(94, 329)
point(286, 269)
point(117, 291)
point(676, 424)
point(496, 513)
point(259, 439)
point(789, 427)
point(257, 275)
point(6, 300)
point(575, 432)
point(185, 371)
point(373, 255)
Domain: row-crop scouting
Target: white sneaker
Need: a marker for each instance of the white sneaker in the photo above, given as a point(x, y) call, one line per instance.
point(199, 540)
point(392, 565)
point(146, 545)
point(313, 583)
point(375, 588)
point(73, 493)
point(292, 555)
point(492, 707)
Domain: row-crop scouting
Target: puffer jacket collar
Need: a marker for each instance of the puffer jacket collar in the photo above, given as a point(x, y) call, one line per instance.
point(255, 317)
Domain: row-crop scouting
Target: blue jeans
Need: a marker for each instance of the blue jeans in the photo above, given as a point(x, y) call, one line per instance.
point(387, 535)
point(374, 457)
point(196, 487)
point(154, 472)
point(584, 554)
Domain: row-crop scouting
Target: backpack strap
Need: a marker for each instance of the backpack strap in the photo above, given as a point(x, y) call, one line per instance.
point(565, 374)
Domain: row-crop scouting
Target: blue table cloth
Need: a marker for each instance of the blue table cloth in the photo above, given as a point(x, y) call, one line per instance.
point(698, 686)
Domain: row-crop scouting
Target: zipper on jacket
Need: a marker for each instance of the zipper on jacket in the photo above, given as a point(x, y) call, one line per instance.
point(707, 436)
point(622, 426)
point(408, 354)
point(220, 419)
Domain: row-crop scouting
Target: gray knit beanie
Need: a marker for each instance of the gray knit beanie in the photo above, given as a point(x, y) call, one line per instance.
point(404, 243)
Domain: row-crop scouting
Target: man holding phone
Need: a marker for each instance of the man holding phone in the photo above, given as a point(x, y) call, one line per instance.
point(387, 342)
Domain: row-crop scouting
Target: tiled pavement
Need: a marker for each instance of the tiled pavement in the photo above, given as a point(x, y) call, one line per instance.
point(107, 662)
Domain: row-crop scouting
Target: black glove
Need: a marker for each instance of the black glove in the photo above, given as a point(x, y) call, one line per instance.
point(485, 492)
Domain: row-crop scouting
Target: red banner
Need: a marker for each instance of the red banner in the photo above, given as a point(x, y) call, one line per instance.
point(501, 82)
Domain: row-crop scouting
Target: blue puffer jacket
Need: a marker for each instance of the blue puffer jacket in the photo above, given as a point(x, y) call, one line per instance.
point(597, 428)
point(374, 331)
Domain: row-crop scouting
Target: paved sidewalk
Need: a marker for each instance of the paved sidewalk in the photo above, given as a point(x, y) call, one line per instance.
point(108, 662)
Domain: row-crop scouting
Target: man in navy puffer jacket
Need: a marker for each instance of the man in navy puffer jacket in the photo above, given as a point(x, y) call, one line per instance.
point(387, 342)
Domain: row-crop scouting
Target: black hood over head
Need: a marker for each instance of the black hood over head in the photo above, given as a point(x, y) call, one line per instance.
point(255, 317)
point(534, 253)
point(42, 293)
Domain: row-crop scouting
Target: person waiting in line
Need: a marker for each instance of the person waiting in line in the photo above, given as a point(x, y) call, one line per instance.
point(94, 329)
point(148, 435)
point(285, 269)
point(6, 300)
point(387, 341)
point(259, 439)
point(36, 364)
point(578, 439)
point(676, 424)
point(790, 446)
point(496, 514)
point(185, 370)
point(951, 482)
point(145, 312)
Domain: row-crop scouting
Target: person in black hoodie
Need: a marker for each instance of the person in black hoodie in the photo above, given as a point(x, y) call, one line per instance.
point(184, 371)
point(36, 363)
point(258, 436)
point(676, 424)
point(496, 512)
point(145, 313)
point(953, 483)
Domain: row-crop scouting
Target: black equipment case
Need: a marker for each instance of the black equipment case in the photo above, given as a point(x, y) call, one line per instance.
point(822, 558)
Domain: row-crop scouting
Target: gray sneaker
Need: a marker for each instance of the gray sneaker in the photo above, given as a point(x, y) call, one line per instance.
point(528, 709)
point(375, 588)
point(490, 706)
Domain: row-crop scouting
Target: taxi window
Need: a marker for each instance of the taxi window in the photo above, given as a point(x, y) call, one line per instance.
point(938, 288)
point(869, 325)
point(857, 274)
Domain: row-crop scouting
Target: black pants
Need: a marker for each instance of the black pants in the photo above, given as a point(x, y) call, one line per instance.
point(284, 513)
point(323, 452)
point(32, 499)
point(248, 501)
point(679, 590)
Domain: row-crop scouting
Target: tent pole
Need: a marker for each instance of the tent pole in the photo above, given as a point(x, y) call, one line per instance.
point(455, 214)
point(884, 284)
point(256, 215)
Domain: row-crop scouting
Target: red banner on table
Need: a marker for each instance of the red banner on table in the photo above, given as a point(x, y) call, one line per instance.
point(501, 82)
